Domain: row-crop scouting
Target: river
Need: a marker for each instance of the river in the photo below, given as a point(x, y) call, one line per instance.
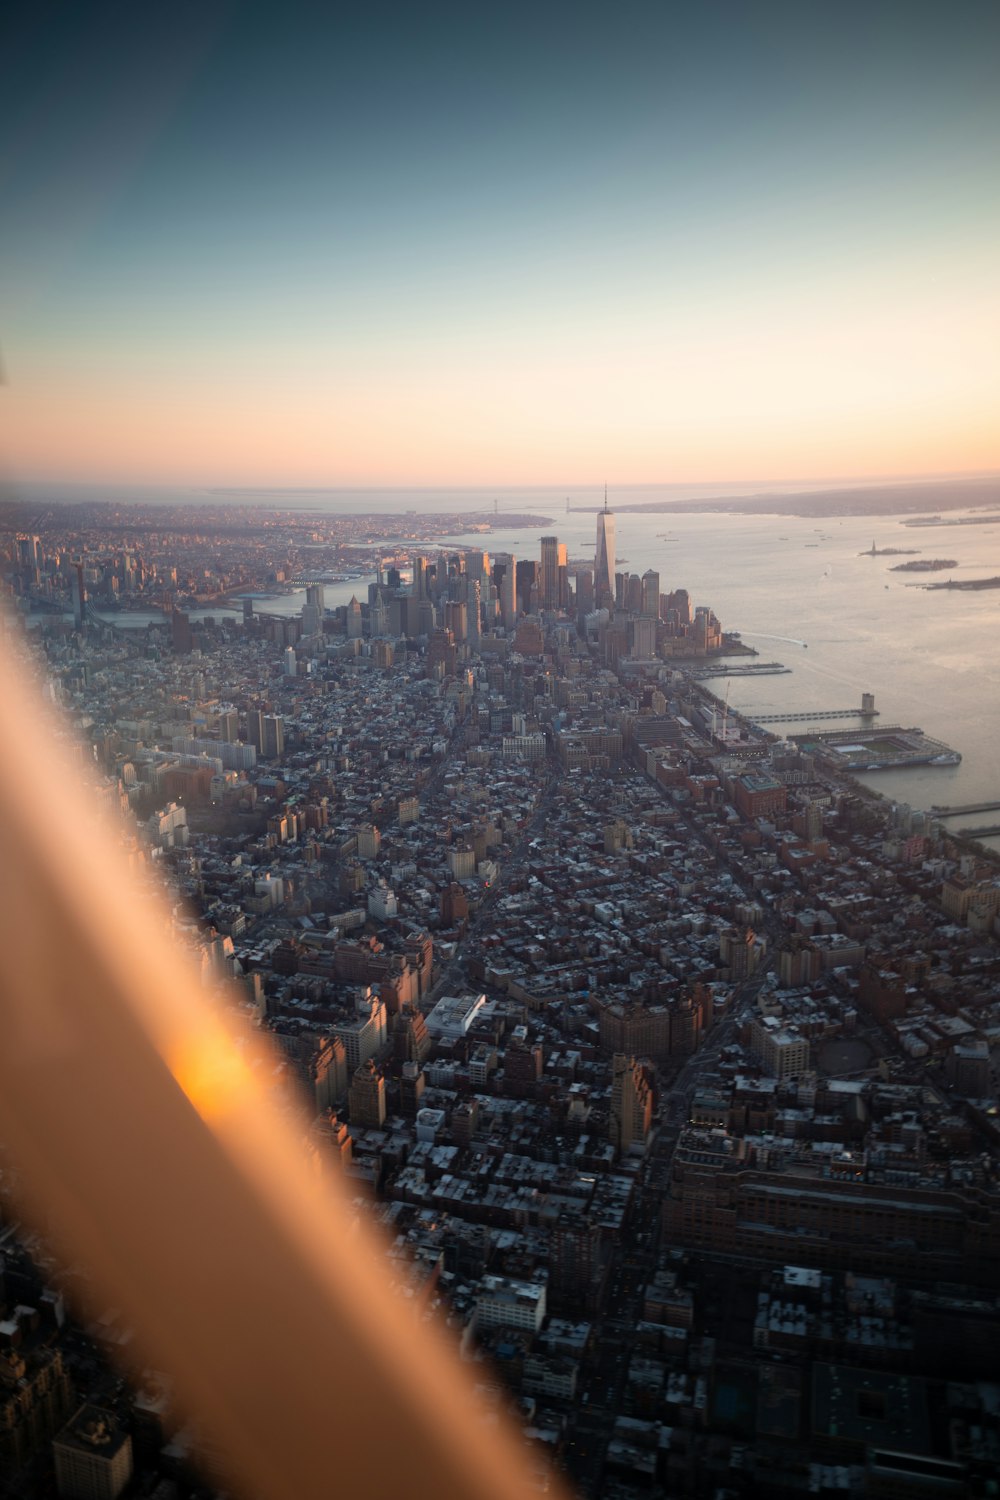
point(930, 658)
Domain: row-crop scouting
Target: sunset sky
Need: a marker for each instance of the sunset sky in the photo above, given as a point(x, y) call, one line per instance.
point(257, 243)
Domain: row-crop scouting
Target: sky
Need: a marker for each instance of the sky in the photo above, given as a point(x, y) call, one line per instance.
point(519, 244)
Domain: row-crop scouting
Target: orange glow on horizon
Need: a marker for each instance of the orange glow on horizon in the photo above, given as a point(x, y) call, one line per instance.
point(130, 437)
point(780, 390)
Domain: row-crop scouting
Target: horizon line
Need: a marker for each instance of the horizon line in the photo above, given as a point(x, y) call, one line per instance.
point(236, 488)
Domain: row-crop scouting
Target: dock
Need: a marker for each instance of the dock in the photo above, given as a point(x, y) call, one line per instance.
point(991, 831)
point(870, 749)
point(811, 718)
point(750, 669)
point(961, 811)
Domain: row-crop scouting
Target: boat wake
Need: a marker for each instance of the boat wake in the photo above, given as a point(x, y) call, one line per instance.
point(789, 640)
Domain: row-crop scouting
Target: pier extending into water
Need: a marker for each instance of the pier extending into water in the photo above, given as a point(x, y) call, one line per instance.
point(811, 718)
point(867, 711)
point(854, 750)
point(750, 669)
point(961, 811)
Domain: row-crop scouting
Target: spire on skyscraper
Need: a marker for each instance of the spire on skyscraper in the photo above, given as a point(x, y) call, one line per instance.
point(604, 560)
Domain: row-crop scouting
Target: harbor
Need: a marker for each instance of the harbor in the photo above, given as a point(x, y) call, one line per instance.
point(812, 716)
point(878, 749)
point(750, 669)
point(867, 711)
point(964, 810)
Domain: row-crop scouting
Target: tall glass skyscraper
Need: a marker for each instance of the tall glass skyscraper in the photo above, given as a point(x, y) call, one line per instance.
point(553, 581)
point(604, 560)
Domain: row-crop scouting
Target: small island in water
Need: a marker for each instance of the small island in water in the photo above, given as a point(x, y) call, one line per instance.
point(926, 565)
point(965, 583)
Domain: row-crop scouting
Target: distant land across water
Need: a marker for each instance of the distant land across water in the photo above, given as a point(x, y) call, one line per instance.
point(861, 497)
point(862, 500)
point(787, 582)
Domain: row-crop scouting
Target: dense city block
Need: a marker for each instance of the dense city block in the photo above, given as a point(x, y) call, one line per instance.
point(664, 1054)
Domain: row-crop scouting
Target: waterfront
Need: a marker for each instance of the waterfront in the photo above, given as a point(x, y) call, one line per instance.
point(803, 592)
point(929, 658)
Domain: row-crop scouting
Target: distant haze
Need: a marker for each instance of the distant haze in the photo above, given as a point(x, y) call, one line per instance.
point(444, 245)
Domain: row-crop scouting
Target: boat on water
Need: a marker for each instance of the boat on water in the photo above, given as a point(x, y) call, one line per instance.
point(901, 762)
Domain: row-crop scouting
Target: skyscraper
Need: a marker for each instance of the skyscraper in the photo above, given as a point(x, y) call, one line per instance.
point(477, 565)
point(584, 591)
point(643, 638)
point(228, 723)
point(508, 594)
point(456, 619)
point(553, 558)
point(604, 559)
point(366, 1097)
point(378, 615)
point(473, 594)
point(272, 736)
point(181, 637)
point(29, 558)
point(93, 1455)
point(255, 727)
point(651, 594)
point(526, 585)
point(631, 1104)
point(79, 593)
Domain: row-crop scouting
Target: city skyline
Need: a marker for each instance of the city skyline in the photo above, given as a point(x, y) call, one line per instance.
point(455, 250)
point(657, 1042)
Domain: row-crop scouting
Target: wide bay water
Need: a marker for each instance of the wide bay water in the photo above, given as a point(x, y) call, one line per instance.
point(930, 658)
